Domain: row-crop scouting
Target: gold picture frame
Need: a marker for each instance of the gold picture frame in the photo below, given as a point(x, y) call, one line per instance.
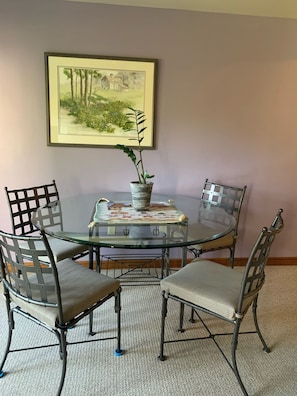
point(88, 98)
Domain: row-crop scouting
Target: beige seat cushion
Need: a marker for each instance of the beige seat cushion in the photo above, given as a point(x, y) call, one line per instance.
point(225, 241)
point(61, 249)
point(207, 284)
point(80, 289)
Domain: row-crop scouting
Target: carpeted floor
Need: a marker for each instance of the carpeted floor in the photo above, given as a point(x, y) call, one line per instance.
point(192, 368)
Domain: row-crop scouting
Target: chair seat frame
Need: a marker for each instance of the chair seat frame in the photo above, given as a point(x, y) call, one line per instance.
point(232, 363)
point(61, 327)
point(252, 282)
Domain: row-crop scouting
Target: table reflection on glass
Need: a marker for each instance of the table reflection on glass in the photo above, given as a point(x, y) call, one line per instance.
point(107, 220)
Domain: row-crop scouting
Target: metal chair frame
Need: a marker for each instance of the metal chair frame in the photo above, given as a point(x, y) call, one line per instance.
point(252, 281)
point(39, 284)
point(228, 198)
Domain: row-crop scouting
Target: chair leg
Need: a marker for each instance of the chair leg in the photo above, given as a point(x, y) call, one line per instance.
point(192, 320)
point(118, 351)
point(91, 258)
point(254, 308)
point(196, 254)
point(164, 314)
point(10, 330)
point(233, 353)
point(91, 332)
point(7, 350)
point(232, 254)
point(181, 317)
point(98, 260)
point(63, 356)
point(165, 262)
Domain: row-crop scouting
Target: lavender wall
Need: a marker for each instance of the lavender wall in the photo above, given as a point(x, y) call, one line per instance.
point(226, 104)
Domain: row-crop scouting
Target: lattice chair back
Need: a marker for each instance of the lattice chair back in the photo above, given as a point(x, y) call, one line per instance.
point(226, 197)
point(49, 217)
point(30, 280)
point(229, 199)
point(254, 275)
point(23, 202)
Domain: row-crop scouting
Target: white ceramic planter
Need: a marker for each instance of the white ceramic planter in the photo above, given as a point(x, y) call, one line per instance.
point(141, 195)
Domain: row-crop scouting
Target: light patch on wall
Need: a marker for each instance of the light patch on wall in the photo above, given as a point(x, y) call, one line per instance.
point(264, 8)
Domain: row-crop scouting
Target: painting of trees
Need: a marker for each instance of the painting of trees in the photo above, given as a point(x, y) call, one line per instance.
point(89, 97)
point(84, 95)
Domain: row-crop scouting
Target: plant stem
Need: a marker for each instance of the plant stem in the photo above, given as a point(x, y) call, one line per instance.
point(140, 174)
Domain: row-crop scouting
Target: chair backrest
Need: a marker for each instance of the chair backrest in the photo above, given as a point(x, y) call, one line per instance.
point(23, 202)
point(226, 197)
point(48, 217)
point(254, 274)
point(31, 281)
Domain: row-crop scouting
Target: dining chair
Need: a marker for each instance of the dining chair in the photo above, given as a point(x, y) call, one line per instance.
point(56, 297)
point(23, 203)
point(221, 292)
point(230, 199)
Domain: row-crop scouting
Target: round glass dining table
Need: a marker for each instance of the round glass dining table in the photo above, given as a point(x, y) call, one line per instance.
point(178, 221)
point(108, 220)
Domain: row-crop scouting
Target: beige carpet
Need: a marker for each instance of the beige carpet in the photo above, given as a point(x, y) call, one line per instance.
point(192, 368)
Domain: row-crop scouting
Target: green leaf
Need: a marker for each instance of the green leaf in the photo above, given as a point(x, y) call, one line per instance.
point(127, 150)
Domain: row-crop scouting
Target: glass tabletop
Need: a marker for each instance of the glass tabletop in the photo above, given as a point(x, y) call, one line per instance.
point(174, 221)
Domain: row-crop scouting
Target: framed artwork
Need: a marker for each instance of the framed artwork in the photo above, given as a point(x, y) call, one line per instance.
point(88, 98)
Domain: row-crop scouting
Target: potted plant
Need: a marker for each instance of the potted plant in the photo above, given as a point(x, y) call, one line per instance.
point(142, 188)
